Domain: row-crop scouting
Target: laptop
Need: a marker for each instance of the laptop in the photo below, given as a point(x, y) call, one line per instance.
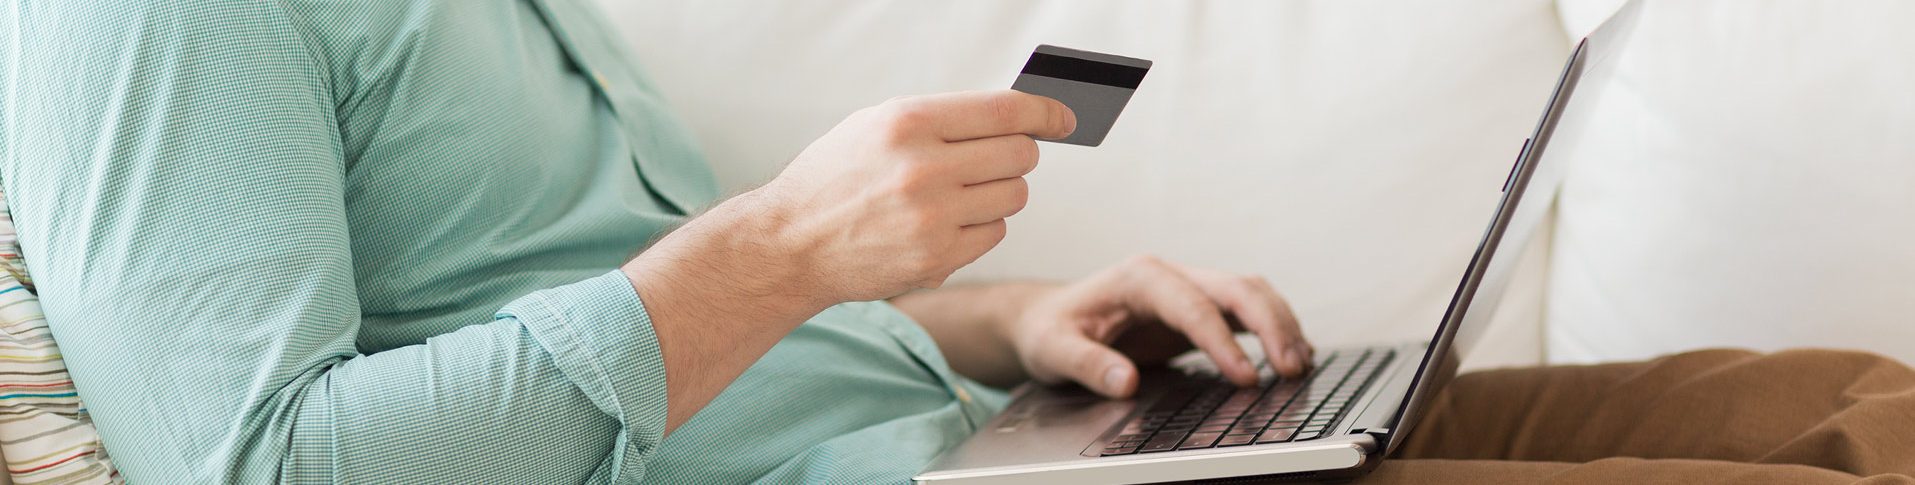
point(1341, 420)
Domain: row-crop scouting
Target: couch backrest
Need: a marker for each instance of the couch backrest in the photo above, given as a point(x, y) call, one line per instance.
point(1349, 150)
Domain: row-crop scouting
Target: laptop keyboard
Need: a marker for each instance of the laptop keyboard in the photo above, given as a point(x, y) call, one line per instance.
point(1207, 413)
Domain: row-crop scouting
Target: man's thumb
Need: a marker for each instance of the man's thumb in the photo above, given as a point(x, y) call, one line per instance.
point(1097, 366)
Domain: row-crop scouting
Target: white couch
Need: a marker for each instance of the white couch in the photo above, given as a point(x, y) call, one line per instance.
point(1350, 151)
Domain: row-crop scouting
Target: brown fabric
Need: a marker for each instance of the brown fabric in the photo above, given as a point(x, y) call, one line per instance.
point(1714, 416)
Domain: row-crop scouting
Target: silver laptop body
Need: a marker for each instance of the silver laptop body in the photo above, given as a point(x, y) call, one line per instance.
point(1065, 434)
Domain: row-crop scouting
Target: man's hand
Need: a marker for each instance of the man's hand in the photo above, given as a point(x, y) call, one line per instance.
point(1097, 331)
point(895, 198)
point(902, 194)
point(1145, 311)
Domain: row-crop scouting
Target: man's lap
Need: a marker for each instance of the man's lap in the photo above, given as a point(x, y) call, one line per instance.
point(1721, 416)
point(1610, 471)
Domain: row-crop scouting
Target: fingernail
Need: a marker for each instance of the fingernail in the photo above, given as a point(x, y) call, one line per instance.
point(1295, 358)
point(1114, 378)
point(1070, 120)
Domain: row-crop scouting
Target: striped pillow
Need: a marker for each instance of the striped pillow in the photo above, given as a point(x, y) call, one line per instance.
point(45, 434)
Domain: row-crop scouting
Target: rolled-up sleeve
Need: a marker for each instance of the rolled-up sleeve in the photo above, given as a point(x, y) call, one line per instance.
point(177, 179)
point(566, 381)
point(619, 367)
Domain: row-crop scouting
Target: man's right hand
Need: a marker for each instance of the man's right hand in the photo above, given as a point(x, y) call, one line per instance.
point(900, 195)
point(897, 197)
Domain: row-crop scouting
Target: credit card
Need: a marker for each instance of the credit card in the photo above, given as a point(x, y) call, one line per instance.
point(1096, 86)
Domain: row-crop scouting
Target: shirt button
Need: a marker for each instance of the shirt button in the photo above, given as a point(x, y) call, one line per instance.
point(962, 396)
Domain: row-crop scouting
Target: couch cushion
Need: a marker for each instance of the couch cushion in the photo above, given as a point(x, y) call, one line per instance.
point(1749, 181)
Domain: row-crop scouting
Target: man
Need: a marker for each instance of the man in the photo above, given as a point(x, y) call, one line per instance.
point(378, 241)
point(391, 241)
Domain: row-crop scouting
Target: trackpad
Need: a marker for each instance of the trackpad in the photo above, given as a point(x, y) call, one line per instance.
point(1063, 406)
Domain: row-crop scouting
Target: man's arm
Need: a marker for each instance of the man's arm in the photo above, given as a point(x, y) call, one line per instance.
point(969, 324)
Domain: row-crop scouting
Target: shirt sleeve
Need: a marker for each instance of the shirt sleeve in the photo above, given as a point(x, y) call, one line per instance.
point(178, 185)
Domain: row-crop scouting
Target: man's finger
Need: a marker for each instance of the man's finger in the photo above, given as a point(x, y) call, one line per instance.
point(1078, 358)
point(976, 239)
point(1164, 292)
point(990, 159)
point(971, 115)
point(1288, 317)
point(972, 242)
point(1257, 307)
point(991, 201)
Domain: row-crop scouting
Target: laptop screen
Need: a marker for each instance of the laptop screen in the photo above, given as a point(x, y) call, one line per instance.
point(1528, 195)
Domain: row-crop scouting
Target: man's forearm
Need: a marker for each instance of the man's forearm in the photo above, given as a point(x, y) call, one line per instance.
point(720, 291)
point(971, 326)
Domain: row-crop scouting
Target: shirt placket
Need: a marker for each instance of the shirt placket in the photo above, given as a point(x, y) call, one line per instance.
point(684, 184)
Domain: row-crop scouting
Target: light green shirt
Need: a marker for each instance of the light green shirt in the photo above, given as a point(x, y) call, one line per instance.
point(376, 241)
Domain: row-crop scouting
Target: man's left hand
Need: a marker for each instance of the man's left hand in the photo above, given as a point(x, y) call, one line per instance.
point(1097, 331)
